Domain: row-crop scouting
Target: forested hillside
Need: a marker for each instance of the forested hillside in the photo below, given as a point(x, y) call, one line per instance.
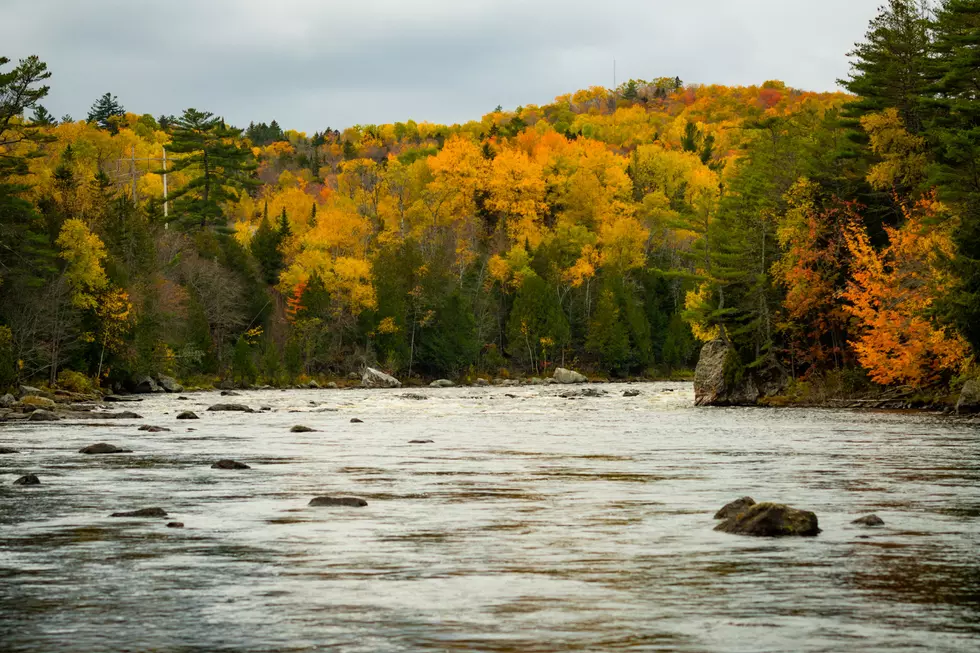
point(834, 235)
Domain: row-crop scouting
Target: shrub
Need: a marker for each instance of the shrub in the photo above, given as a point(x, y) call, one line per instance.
point(73, 381)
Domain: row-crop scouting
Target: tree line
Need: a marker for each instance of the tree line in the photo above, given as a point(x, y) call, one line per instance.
point(835, 235)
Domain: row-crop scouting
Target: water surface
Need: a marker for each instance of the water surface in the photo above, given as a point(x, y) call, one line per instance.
point(532, 522)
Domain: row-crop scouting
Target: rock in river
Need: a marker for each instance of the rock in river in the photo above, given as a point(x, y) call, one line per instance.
point(716, 385)
point(299, 428)
point(562, 375)
point(353, 502)
point(631, 393)
point(735, 507)
point(153, 429)
point(421, 441)
point(442, 383)
point(169, 383)
point(230, 408)
point(188, 414)
point(969, 401)
point(7, 450)
point(771, 520)
point(142, 512)
point(41, 415)
point(175, 524)
point(355, 420)
point(229, 464)
point(869, 520)
point(103, 447)
point(29, 479)
point(373, 378)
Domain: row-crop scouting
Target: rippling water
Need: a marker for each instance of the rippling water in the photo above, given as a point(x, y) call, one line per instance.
point(532, 522)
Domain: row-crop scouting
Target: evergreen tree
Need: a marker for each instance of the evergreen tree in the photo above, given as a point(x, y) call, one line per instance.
point(104, 110)
point(43, 118)
point(265, 249)
point(954, 134)
point(890, 68)
point(608, 338)
point(285, 231)
point(537, 329)
point(222, 166)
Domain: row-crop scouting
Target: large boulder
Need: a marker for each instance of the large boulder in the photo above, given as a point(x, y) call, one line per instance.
point(562, 375)
point(7, 400)
point(969, 401)
point(770, 520)
point(26, 390)
point(441, 383)
point(735, 507)
point(721, 380)
point(41, 415)
point(169, 383)
point(373, 378)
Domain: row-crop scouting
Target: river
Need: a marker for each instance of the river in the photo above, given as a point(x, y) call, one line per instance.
point(532, 522)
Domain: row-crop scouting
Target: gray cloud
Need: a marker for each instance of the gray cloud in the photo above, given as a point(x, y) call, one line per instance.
point(312, 64)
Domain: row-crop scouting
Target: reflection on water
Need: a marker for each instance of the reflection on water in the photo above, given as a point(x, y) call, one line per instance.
point(532, 522)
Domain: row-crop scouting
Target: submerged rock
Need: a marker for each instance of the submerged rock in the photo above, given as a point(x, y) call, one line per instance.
point(353, 502)
point(355, 420)
point(771, 520)
point(175, 524)
point(7, 450)
point(103, 447)
point(414, 396)
point(632, 393)
point(373, 378)
point(562, 375)
point(29, 479)
point(230, 393)
point(188, 414)
point(142, 512)
point(230, 408)
point(969, 401)
point(869, 520)
point(299, 428)
point(153, 429)
point(735, 507)
point(717, 385)
point(121, 399)
point(229, 464)
point(421, 441)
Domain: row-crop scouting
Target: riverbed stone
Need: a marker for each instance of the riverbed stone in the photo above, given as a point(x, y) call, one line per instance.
point(481, 383)
point(188, 414)
point(442, 383)
point(771, 520)
point(4, 450)
point(373, 378)
point(103, 447)
point(421, 441)
point(229, 464)
point(353, 502)
point(969, 401)
point(415, 396)
point(175, 524)
point(299, 428)
point(230, 408)
point(356, 420)
point(869, 520)
point(735, 507)
point(566, 376)
point(145, 385)
point(149, 428)
point(7, 400)
point(28, 479)
point(631, 393)
point(121, 399)
point(142, 512)
point(169, 383)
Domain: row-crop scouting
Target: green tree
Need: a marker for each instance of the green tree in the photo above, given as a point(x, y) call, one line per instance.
point(265, 249)
point(608, 337)
point(104, 110)
point(537, 329)
point(221, 164)
point(43, 118)
point(954, 134)
point(243, 368)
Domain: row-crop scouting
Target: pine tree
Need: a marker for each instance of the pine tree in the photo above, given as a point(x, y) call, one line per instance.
point(265, 249)
point(43, 118)
point(222, 166)
point(954, 134)
point(104, 110)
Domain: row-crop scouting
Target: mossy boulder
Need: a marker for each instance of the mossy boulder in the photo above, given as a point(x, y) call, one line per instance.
point(771, 520)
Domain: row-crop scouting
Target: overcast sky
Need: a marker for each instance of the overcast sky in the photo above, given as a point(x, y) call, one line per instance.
point(311, 64)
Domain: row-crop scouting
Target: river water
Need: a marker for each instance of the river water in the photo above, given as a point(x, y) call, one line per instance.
point(532, 522)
